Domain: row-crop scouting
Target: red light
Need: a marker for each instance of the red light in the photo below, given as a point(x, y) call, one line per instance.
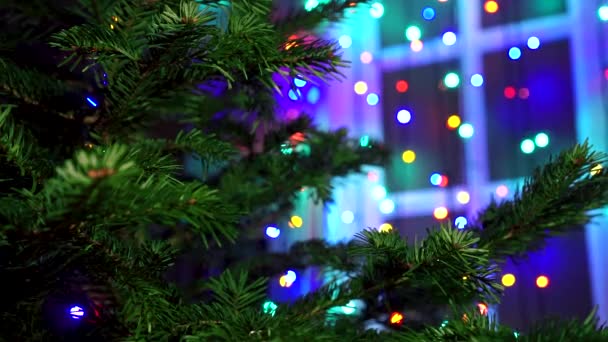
point(483, 309)
point(444, 181)
point(606, 73)
point(510, 92)
point(396, 318)
point(372, 176)
point(524, 93)
point(402, 86)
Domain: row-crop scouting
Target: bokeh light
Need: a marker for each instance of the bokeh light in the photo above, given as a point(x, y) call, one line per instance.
point(385, 227)
point(533, 43)
point(461, 222)
point(466, 131)
point(444, 181)
point(396, 318)
point(416, 45)
point(596, 169)
point(453, 122)
point(347, 216)
point(514, 53)
point(463, 197)
point(360, 87)
point(345, 41)
point(440, 213)
point(378, 192)
point(311, 4)
point(294, 95)
point(269, 307)
point(376, 10)
point(428, 13)
point(477, 80)
point(527, 146)
point(76, 312)
point(387, 206)
point(313, 96)
point(296, 221)
point(523, 93)
point(508, 280)
point(502, 191)
point(284, 282)
point(541, 140)
point(401, 86)
point(490, 6)
point(413, 33)
point(408, 156)
point(451, 80)
point(435, 179)
point(542, 282)
point(273, 232)
point(298, 82)
point(602, 13)
point(366, 57)
point(449, 38)
point(483, 309)
point(404, 116)
point(372, 99)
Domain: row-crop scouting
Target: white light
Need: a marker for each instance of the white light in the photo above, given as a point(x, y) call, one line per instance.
point(348, 216)
point(466, 130)
point(449, 38)
point(387, 206)
point(378, 192)
point(377, 10)
point(477, 80)
point(290, 277)
point(345, 41)
point(404, 116)
point(533, 43)
point(273, 232)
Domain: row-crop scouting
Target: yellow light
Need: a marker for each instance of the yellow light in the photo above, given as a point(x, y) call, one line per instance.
point(416, 45)
point(440, 213)
point(408, 156)
point(463, 197)
point(385, 227)
point(360, 87)
point(296, 221)
point(465, 278)
point(542, 282)
point(453, 121)
point(396, 318)
point(111, 26)
point(283, 281)
point(596, 169)
point(491, 6)
point(508, 280)
point(483, 308)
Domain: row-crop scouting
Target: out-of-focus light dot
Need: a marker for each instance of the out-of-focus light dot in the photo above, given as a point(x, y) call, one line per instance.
point(523, 93)
point(440, 213)
point(435, 179)
point(596, 169)
point(372, 176)
point(283, 281)
point(602, 13)
point(376, 10)
point(291, 276)
point(449, 38)
point(313, 96)
point(385, 227)
point(299, 82)
point(491, 6)
point(461, 222)
point(483, 309)
point(508, 280)
point(477, 80)
point(606, 73)
point(466, 131)
point(273, 232)
point(533, 43)
point(428, 13)
point(541, 140)
point(366, 57)
point(527, 146)
point(542, 282)
point(345, 41)
point(92, 102)
point(296, 221)
point(502, 191)
point(444, 181)
point(360, 87)
point(413, 33)
point(514, 53)
point(401, 86)
point(378, 192)
point(408, 156)
point(451, 80)
point(348, 217)
point(269, 307)
point(387, 206)
point(416, 45)
point(396, 318)
point(372, 99)
point(76, 312)
point(453, 122)
point(311, 4)
point(295, 95)
point(364, 141)
point(349, 308)
point(404, 116)
point(510, 92)
point(463, 197)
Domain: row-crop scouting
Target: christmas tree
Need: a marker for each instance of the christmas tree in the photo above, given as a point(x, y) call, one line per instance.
point(95, 206)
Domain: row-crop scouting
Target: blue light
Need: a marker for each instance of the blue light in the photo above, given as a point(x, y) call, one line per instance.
point(435, 179)
point(273, 232)
point(477, 80)
point(533, 43)
point(387, 206)
point(428, 13)
point(295, 95)
point(449, 38)
point(404, 116)
point(345, 41)
point(313, 95)
point(93, 103)
point(348, 217)
point(460, 222)
point(514, 53)
point(372, 99)
point(76, 312)
point(299, 82)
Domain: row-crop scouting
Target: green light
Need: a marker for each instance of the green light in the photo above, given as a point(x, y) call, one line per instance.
point(541, 140)
point(413, 33)
point(602, 12)
point(349, 308)
point(286, 149)
point(527, 146)
point(516, 334)
point(269, 307)
point(311, 4)
point(377, 10)
point(451, 80)
point(364, 141)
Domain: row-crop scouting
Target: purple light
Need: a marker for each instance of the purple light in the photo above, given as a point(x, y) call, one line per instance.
point(76, 312)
